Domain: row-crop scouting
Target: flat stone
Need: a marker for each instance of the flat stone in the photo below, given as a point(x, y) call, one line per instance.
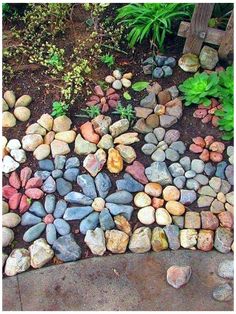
point(197, 165)
point(204, 201)
point(226, 269)
point(72, 162)
point(209, 220)
point(10, 220)
point(57, 173)
point(178, 221)
point(159, 133)
point(185, 162)
point(49, 203)
point(149, 101)
point(105, 220)
point(158, 155)
point(9, 164)
point(217, 207)
point(141, 127)
point(209, 169)
point(7, 236)
point(171, 136)
point(78, 198)
point(205, 240)
point(61, 226)
point(192, 184)
point(74, 213)
point(172, 154)
point(59, 211)
point(83, 147)
point(167, 121)
point(46, 165)
point(43, 174)
point(89, 223)
point(71, 174)
point(49, 185)
point(188, 238)
point(103, 184)
point(120, 197)
point(34, 232)
point(66, 249)
point(119, 127)
point(148, 148)
point(177, 170)
point(192, 220)
point(51, 233)
point(37, 209)
point(229, 173)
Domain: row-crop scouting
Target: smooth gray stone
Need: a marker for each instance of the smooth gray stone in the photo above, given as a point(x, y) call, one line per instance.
point(57, 173)
point(51, 233)
point(103, 184)
point(63, 186)
point(71, 174)
point(60, 209)
point(124, 210)
point(78, 198)
point(61, 226)
point(105, 220)
point(86, 182)
point(37, 209)
point(49, 185)
point(43, 174)
point(185, 163)
point(28, 219)
point(120, 197)
point(73, 213)
point(89, 223)
point(34, 232)
point(49, 204)
point(172, 233)
point(66, 249)
point(72, 162)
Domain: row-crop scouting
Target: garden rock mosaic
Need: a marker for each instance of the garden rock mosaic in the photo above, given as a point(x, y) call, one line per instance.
point(118, 80)
point(13, 155)
point(159, 66)
point(207, 114)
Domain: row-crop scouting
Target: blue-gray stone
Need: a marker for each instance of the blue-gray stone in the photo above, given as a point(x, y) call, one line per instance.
point(129, 184)
point(149, 60)
point(178, 146)
point(120, 197)
point(171, 62)
point(63, 186)
point(148, 68)
point(176, 170)
point(60, 209)
point(185, 163)
point(71, 174)
point(49, 185)
point(197, 165)
point(160, 60)
point(46, 164)
point(105, 220)
point(42, 174)
point(61, 226)
point(149, 101)
point(159, 173)
point(179, 182)
point(124, 210)
point(209, 169)
point(86, 182)
point(28, 219)
point(190, 174)
point(51, 233)
point(57, 173)
point(157, 73)
point(37, 209)
point(220, 169)
point(78, 198)
point(167, 70)
point(59, 162)
point(187, 197)
point(89, 223)
point(66, 249)
point(34, 232)
point(202, 179)
point(72, 162)
point(172, 154)
point(192, 184)
point(73, 213)
point(49, 203)
point(229, 173)
point(172, 234)
point(103, 184)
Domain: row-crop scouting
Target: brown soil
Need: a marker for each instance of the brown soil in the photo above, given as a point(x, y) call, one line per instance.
point(30, 79)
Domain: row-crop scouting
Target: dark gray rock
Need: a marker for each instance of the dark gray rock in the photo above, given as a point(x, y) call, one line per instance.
point(149, 101)
point(171, 62)
point(167, 70)
point(158, 73)
point(66, 249)
point(220, 169)
point(160, 60)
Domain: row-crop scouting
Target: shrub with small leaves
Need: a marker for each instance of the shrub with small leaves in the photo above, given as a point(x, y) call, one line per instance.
point(59, 109)
point(125, 112)
point(108, 59)
point(90, 112)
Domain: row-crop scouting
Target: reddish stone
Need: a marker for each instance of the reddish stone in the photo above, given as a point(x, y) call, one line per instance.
point(205, 240)
point(34, 193)
point(207, 118)
point(199, 141)
point(214, 102)
point(34, 183)
point(111, 91)
point(201, 106)
point(14, 180)
point(25, 203)
point(14, 201)
point(216, 157)
point(25, 174)
point(226, 219)
point(98, 91)
point(195, 148)
point(200, 113)
point(209, 140)
point(205, 155)
point(219, 69)
point(215, 121)
point(218, 147)
point(157, 202)
point(209, 220)
point(48, 219)
point(178, 276)
point(163, 97)
point(212, 111)
point(8, 191)
point(137, 171)
point(88, 133)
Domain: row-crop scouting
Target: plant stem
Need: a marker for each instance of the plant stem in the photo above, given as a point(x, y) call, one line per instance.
point(114, 48)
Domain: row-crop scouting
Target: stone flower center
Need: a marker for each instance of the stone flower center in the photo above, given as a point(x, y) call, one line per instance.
point(98, 204)
point(48, 219)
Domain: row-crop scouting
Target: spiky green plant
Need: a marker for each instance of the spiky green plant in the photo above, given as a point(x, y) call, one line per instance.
point(125, 112)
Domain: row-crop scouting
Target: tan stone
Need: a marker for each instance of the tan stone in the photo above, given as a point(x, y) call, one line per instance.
point(116, 241)
point(171, 193)
point(175, 208)
point(114, 161)
point(159, 241)
point(122, 224)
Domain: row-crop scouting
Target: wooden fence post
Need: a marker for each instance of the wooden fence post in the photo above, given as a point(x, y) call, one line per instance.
point(198, 27)
point(227, 42)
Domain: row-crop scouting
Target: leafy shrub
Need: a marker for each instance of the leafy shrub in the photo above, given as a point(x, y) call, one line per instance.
point(125, 112)
point(199, 88)
point(151, 20)
point(59, 109)
point(108, 59)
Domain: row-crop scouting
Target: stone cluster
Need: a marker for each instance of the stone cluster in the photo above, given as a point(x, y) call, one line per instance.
point(99, 136)
point(159, 66)
point(118, 80)
point(49, 135)
point(159, 108)
point(13, 155)
point(162, 145)
point(207, 114)
point(21, 111)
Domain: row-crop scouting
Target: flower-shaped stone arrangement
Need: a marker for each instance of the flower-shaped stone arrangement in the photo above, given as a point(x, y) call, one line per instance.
point(95, 139)
point(17, 155)
point(94, 206)
point(104, 100)
point(49, 135)
point(118, 80)
point(206, 114)
point(159, 66)
point(163, 145)
point(159, 108)
point(48, 216)
point(20, 113)
point(208, 148)
point(22, 189)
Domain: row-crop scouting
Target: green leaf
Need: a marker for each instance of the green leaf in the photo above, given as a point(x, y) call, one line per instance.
point(139, 86)
point(127, 96)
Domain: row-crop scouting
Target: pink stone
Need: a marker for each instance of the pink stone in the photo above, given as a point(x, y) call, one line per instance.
point(226, 219)
point(200, 113)
point(94, 163)
point(178, 276)
point(195, 148)
point(209, 140)
point(48, 219)
point(111, 91)
point(209, 220)
point(25, 174)
point(218, 147)
point(8, 191)
point(199, 141)
point(157, 202)
point(14, 180)
point(34, 183)
point(207, 118)
point(88, 133)
point(98, 91)
point(205, 240)
point(205, 155)
point(34, 193)
point(214, 102)
point(137, 171)
point(216, 157)
point(14, 201)
point(215, 121)
point(24, 204)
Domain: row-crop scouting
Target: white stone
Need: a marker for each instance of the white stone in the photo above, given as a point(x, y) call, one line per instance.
point(17, 262)
point(9, 164)
point(13, 144)
point(31, 141)
point(146, 215)
point(7, 236)
point(163, 218)
point(19, 155)
point(140, 241)
point(95, 240)
point(41, 253)
point(10, 220)
point(117, 74)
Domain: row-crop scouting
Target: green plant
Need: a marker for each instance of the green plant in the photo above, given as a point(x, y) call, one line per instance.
point(139, 86)
point(125, 112)
point(150, 20)
point(220, 15)
point(59, 109)
point(199, 88)
point(127, 96)
point(108, 59)
point(90, 112)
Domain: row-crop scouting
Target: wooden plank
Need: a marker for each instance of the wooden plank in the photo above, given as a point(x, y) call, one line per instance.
point(198, 27)
point(213, 36)
point(227, 43)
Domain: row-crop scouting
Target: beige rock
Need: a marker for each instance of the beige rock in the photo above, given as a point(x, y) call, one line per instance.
point(35, 128)
point(128, 75)
point(17, 262)
point(40, 253)
point(23, 101)
point(146, 215)
point(59, 148)
point(10, 98)
point(122, 224)
point(95, 240)
point(7, 236)
point(22, 113)
point(67, 136)
point(46, 121)
point(116, 241)
point(4, 105)
point(221, 197)
point(109, 79)
point(106, 142)
point(62, 124)
point(192, 220)
point(8, 120)
point(127, 153)
point(163, 218)
point(127, 138)
point(153, 189)
point(42, 151)
point(189, 63)
point(83, 147)
point(5, 207)
point(125, 82)
point(31, 141)
point(140, 241)
point(188, 238)
point(11, 220)
point(49, 137)
point(141, 199)
point(119, 127)
point(171, 193)
point(98, 204)
point(175, 208)
point(159, 241)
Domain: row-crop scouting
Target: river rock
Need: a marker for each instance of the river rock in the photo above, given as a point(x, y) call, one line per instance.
point(31, 141)
point(103, 184)
point(106, 142)
point(188, 238)
point(129, 184)
point(59, 148)
point(94, 163)
point(146, 215)
point(140, 241)
point(192, 220)
point(223, 240)
point(159, 173)
point(95, 240)
point(114, 161)
point(178, 276)
point(101, 124)
point(226, 269)
point(10, 220)
point(42, 151)
point(189, 63)
point(22, 114)
point(223, 293)
point(40, 253)
point(119, 127)
point(89, 223)
point(122, 224)
point(46, 121)
point(159, 241)
point(127, 153)
point(8, 120)
point(17, 262)
point(7, 236)
point(208, 58)
point(83, 147)
point(23, 101)
point(116, 241)
point(10, 98)
point(66, 249)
